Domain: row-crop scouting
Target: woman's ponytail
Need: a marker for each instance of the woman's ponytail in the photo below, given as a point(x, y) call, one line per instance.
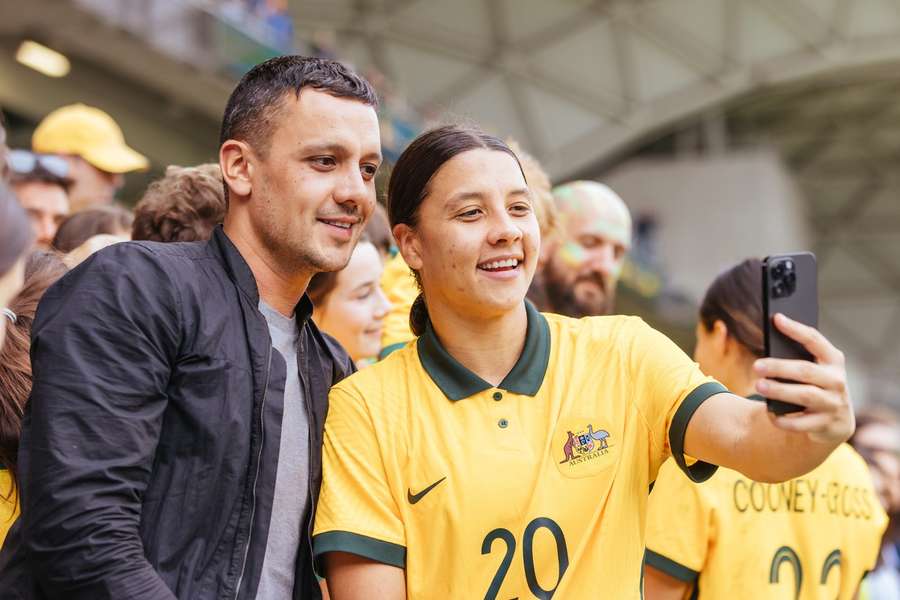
point(418, 315)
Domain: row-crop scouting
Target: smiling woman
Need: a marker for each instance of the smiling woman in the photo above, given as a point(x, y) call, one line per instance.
point(507, 453)
point(349, 304)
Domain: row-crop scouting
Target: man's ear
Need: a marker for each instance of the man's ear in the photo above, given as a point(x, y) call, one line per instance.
point(408, 244)
point(236, 167)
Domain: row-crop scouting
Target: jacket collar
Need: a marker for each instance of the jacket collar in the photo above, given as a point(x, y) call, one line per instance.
point(458, 382)
point(239, 272)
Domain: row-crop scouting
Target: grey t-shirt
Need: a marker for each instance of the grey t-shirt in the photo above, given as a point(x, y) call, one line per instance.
point(291, 480)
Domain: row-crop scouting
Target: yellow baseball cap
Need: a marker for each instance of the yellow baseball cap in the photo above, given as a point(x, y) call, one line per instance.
point(89, 133)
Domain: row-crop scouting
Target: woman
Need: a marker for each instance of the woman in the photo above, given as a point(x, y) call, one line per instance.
point(349, 304)
point(813, 537)
point(41, 271)
point(79, 227)
point(15, 239)
point(506, 453)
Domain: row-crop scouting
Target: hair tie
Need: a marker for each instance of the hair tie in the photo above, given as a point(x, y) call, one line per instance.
point(9, 315)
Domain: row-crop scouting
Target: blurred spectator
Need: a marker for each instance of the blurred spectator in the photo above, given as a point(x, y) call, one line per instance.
point(81, 226)
point(183, 206)
point(15, 239)
point(378, 230)
point(541, 191)
point(42, 269)
point(3, 149)
point(95, 148)
point(92, 244)
point(585, 261)
point(40, 183)
point(877, 439)
point(349, 304)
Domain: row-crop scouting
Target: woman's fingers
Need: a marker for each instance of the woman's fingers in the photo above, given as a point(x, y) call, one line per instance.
point(811, 339)
point(811, 397)
point(801, 371)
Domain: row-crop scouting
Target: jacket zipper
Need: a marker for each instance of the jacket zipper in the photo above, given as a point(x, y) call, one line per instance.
point(309, 449)
point(262, 435)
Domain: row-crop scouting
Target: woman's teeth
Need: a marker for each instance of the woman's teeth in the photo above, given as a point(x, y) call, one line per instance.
point(509, 263)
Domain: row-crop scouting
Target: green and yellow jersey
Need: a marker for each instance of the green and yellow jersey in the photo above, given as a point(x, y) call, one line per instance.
point(534, 488)
point(400, 288)
point(9, 504)
point(813, 537)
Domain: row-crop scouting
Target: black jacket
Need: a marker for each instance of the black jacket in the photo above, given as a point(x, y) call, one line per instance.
point(148, 453)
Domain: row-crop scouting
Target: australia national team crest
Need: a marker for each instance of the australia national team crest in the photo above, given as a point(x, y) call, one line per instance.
point(582, 447)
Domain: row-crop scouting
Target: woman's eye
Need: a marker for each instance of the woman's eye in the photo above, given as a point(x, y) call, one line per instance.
point(470, 214)
point(521, 209)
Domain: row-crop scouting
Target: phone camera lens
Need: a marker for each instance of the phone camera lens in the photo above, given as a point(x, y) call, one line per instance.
point(778, 289)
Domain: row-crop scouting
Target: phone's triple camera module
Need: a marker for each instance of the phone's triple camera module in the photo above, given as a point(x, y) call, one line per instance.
point(784, 279)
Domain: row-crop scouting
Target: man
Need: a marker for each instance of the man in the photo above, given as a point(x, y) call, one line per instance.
point(95, 148)
point(184, 206)
point(585, 260)
point(171, 448)
point(40, 183)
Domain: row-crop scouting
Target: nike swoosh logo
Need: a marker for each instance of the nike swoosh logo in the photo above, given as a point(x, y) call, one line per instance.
point(414, 498)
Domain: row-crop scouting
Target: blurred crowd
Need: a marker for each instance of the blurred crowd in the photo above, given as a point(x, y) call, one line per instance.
point(59, 207)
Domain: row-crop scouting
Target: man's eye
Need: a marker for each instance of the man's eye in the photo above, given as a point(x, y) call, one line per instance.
point(368, 171)
point(325, 161)
point(522, 209)
point(469, 214)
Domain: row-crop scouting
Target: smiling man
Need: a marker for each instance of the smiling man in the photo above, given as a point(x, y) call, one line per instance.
point(171, 448)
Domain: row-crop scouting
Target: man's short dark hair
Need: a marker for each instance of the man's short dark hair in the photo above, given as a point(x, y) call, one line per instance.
point(260, 93)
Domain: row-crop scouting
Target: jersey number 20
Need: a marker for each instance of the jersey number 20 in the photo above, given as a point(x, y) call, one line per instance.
point(562, 556)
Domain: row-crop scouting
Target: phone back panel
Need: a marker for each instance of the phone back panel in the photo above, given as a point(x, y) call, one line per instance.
point(802, 305)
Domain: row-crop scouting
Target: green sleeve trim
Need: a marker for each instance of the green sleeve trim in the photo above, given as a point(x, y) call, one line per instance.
point(361, 545)
point(670, 567)
point(388, 349)
point(699, 471)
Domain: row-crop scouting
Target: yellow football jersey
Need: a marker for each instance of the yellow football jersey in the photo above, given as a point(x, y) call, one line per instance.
point(811, 538)
point(9, 504)
point(531, 489)
point(400, 287)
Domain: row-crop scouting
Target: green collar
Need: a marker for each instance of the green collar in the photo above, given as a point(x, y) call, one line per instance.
point(458, 382)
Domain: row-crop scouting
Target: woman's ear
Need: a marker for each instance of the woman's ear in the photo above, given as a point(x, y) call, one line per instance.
point(236, 168)
point(719, 338)
point(408, 244)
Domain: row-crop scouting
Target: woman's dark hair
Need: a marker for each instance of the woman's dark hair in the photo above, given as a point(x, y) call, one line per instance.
point(735, 298)
point(15, 230)
point(412, 174)
point(323, 283)
point(42, 269)
point(79, 227)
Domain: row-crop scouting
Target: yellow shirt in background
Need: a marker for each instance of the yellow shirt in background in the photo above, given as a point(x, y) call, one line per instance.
point(534, 488)
point(400, 287)
point(811, 538)
point(9, 508)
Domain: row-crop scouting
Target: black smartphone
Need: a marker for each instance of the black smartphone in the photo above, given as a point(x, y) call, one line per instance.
point(790, 287)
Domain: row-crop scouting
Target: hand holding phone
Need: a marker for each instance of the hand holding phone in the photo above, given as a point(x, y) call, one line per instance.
point(819, 388)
